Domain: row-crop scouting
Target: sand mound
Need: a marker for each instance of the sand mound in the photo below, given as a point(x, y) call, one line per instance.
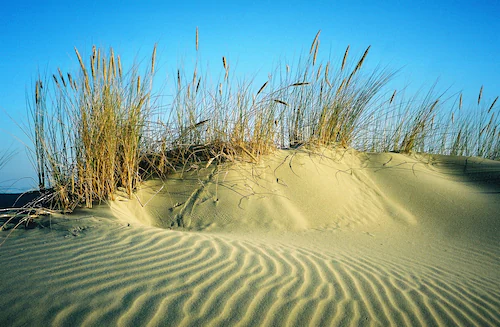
point(299, 190)
point(338, 239)
point(291, 191)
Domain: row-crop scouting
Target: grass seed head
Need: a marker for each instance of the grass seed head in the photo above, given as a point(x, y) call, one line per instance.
point(196, 38)
point(315, 52)
point(360, 63)
point(281, 102)
point(345, 58)
point(37, 92)
point(493, 104)
point(61, 76)
point(392, 97)
point(119, 66)
point(299, 84)
point(314, 43)
point(262, 88)
point(153, 59)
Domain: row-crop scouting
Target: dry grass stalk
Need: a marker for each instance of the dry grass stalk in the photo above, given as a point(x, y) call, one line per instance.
point(62, 77)
point(56, 81)
point(112, 66)
point(226, 68)
point(5, 157)
point(195, 75)
point(198, 85)
point(153, 58)
point(38, 86)
point(92, 63)
point(262, 88)
point(318, 73)
point(119, 66)
point(314, 45)
point(196, 38)
point(98, 59)
point(358, 67)
point(360, 63)
point(392, 97)
point(480, 95)
point(490, 123)
point(281, 102)
point(493, 104)
point(344, 60)
point(299, 84)
point(84, 70)
point(315, 52)
point(327, 70)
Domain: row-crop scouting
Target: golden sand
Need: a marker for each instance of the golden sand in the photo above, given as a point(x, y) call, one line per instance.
point(333, 239)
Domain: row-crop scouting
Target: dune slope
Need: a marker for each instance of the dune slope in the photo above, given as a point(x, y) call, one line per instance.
point(340, 238)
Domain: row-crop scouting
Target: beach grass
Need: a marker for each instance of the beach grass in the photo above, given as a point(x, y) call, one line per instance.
point(5, 157)
point(87, 139)
point(96, 131)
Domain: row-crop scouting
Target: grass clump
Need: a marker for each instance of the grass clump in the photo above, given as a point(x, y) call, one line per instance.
point(87, 142)
point(96, 132)
point(477, 132)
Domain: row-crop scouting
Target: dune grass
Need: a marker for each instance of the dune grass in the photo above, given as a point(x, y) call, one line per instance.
point(5, 157)
point(96, 131)
point(87, 139)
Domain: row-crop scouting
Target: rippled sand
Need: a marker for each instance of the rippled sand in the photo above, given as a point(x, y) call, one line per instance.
point(343, 239)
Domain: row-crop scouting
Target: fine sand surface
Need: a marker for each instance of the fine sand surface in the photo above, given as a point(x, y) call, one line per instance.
point(333, 239)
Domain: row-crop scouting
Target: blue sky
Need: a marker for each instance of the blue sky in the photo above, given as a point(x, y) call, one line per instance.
point(455, 41)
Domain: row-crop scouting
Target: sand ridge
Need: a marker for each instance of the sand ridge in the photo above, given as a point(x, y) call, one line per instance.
point(300, 190)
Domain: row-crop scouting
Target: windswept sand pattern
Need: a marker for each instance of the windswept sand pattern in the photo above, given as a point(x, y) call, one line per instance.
point(303, 240)
point(130, 276)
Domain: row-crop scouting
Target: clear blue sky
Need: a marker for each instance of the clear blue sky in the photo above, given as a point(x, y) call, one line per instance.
point(455, 41)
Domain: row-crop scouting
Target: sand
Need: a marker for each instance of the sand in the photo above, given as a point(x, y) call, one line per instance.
point(339, 238)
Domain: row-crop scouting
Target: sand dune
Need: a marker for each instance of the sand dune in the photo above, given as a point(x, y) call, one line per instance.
point(338, 239)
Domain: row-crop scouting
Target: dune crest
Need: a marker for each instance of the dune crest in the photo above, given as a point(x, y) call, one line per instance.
point(295, 190)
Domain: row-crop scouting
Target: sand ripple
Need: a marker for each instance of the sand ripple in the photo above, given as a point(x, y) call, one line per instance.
point(130, 276)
